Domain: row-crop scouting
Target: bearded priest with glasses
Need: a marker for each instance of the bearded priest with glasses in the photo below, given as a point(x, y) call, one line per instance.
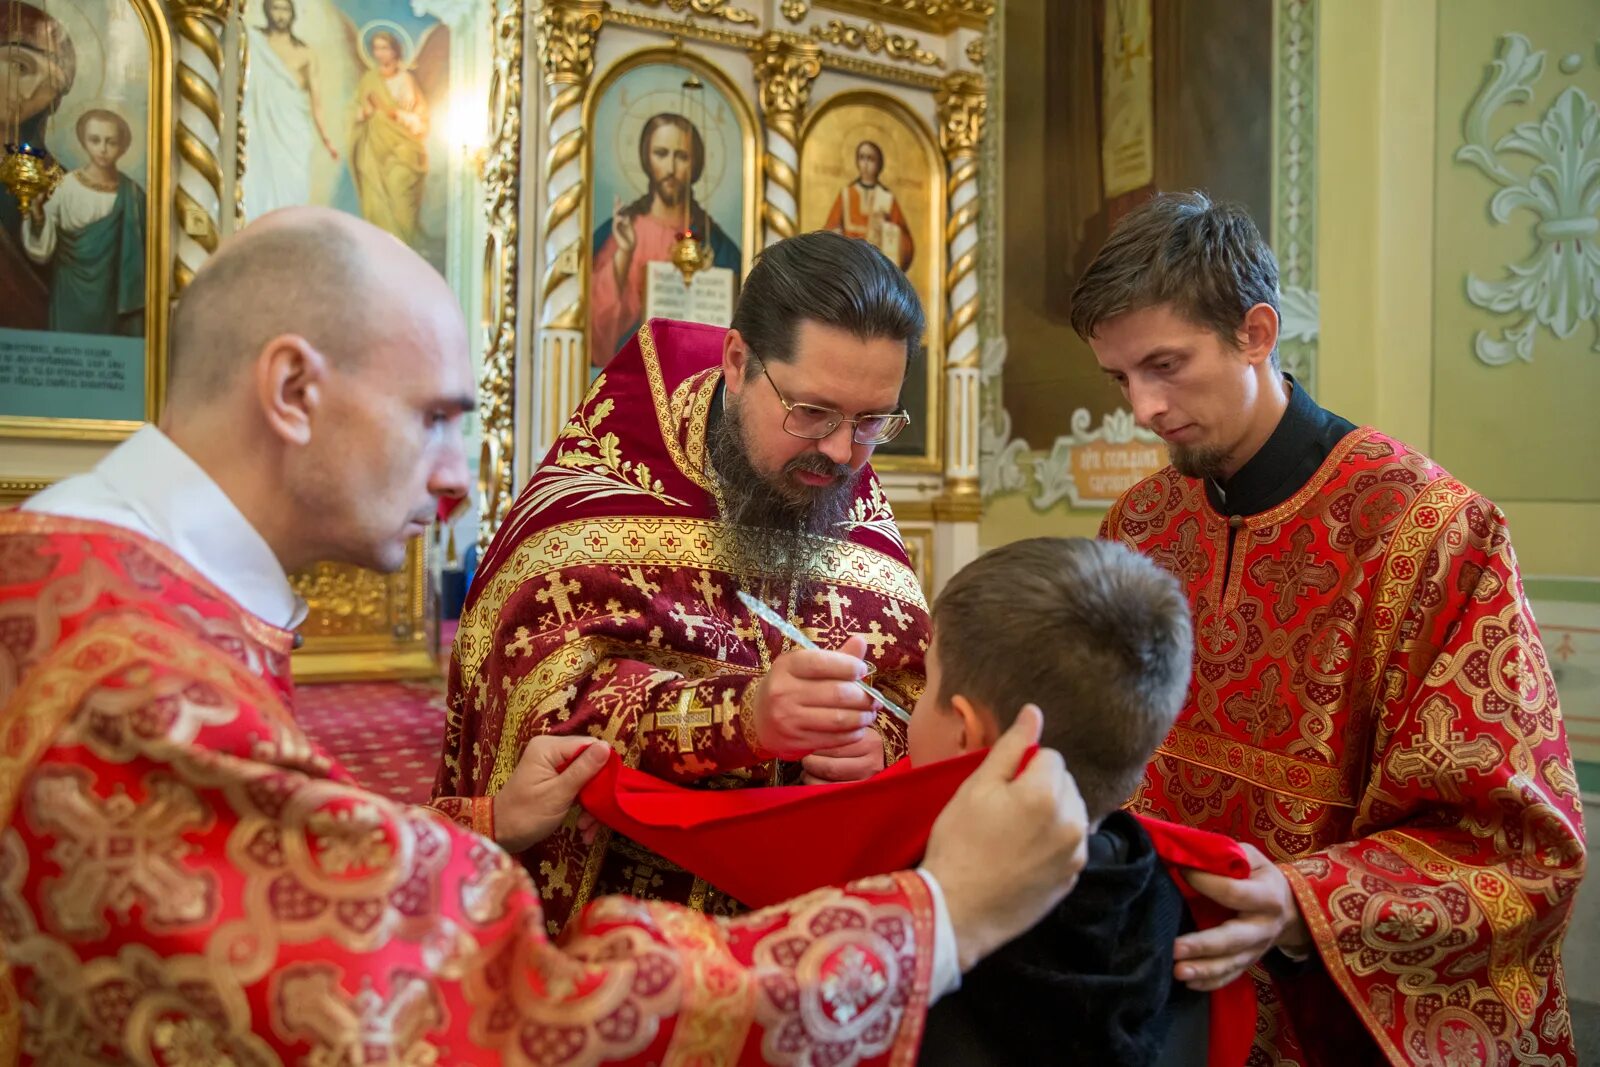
point(705, 462)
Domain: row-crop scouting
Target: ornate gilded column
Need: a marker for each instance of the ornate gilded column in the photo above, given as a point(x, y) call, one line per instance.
point(502, 186)
point(241, 134)
point(197, 202)
point(963, 105)
point(566, 31)
point(785, 66)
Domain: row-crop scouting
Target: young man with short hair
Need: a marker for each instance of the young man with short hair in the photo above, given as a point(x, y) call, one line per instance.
point(1372, 713)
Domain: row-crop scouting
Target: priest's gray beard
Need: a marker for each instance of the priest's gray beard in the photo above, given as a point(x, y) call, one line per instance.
point(776, 521)
point(1199, 461)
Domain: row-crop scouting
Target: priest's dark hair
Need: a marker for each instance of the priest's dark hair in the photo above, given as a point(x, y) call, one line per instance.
point(1092, 632)
point(1204, 259)
point(830, 279)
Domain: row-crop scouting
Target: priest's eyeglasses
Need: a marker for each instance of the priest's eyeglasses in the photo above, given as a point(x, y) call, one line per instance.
point(812, 422)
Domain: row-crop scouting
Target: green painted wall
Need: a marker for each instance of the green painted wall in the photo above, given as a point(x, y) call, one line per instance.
point(1526, 430)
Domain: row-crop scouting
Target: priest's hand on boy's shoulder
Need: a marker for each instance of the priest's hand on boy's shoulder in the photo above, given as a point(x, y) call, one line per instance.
point(809, 701)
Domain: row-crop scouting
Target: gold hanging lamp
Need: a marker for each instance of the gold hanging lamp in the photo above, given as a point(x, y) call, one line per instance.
point(688, 254)
point(28, 170)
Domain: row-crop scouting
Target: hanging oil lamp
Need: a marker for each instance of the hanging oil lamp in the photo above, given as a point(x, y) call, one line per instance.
point(688, 254)
point(28, 170)
point(29, 173)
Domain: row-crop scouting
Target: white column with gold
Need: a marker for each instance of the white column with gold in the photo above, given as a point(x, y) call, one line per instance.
point(566, 31)
point(963, 105)
point(785, 66)
point(198, 198)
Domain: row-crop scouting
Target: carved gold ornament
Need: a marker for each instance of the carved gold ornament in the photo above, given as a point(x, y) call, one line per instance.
point(934, 16)
point(963, 107)
point(565, 31)
point(874, 38)
point(713, 9)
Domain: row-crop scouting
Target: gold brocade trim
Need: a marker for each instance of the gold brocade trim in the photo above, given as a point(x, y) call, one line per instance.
point(589, 465)
point(1398, 578)
point(691, 411)
point(703, 543)
point(1312, 488)
point(465, 813)
point(669, 425)
point(1505, 908)
point(566, 662)
point(747, 715)
point(1111, 525)
point(698, 891)
point(37, 522)
point(483, 816)
point(1327, 942)
point(1272, 516)
point(920, 898)
point(1232, 593)
point(1316, 782)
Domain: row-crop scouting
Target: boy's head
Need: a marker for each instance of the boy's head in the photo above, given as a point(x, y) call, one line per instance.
point(1094, 634)
point(105, 135)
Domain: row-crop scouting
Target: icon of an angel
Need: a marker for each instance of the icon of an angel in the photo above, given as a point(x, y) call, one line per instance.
point(388, 149)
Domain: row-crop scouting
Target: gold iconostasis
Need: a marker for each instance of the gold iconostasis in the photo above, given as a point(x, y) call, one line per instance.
point(536, 155)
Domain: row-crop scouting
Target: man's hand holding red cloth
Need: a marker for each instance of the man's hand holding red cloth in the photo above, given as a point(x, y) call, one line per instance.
point(1266, 917)
point(544, 787)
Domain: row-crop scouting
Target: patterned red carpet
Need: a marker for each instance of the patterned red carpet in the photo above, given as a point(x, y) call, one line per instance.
point(387, 734)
